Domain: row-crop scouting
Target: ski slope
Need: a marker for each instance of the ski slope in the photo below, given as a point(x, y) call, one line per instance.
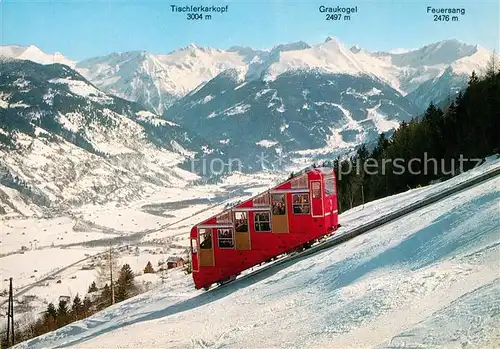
point(429, 279)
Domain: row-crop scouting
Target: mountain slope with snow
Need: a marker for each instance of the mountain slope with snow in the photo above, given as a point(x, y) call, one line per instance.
point(443, 67)
point(296, 112)
point(63, 142)
point(415, 282)
point(298, 100)
point(34, 54)
point(156, 80)
point(294, 101)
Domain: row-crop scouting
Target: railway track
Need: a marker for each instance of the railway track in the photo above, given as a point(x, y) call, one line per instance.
point(377, 223)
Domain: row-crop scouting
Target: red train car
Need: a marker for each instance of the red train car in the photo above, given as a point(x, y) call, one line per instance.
point(290, 215)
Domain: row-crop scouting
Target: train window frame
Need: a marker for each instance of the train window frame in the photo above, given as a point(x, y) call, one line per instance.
point(262, 200)
point(245, 218)
point(203, 233)
point(316, 189)
point(194, 246)
point(329, 186)
point(224, 217)
point(225, 239)
point(299, 182)
point(259, 223)
point(282, 200)
point(301, 205)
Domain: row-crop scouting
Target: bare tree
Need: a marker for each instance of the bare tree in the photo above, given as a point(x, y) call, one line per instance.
point(493, 66)
point(108, 270)
point(188, 266)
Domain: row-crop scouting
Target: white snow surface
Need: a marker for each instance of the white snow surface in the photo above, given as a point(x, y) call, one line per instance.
point(429, 279)
point(84, 89)
point(33, 53)
point(266, 143)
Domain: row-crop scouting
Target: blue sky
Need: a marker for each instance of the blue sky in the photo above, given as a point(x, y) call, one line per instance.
point(83, 29)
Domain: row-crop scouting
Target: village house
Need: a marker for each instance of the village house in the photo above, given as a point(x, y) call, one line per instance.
point(66, 299)
point(174, 262)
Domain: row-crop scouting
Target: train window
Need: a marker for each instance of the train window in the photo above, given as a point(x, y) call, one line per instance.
point(194, 249)
point(262, 221)
point(205, 239)
point(225, 238)
point(261, 200)
point(279, 207)
point(300, 204)
point(299, 182)
point(329, 186)
point(241, 221)
point(224, 217)
point(316, 190)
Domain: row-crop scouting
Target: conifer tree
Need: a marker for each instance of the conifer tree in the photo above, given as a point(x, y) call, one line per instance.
point(149, 268)
point(51, 311)
point(62, 313)
point(50, 319)
point(87, 304)
point(125, 286)
point(92, 287)
point(76, 307)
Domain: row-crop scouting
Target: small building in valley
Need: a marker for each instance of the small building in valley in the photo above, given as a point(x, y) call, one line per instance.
point(174, 262)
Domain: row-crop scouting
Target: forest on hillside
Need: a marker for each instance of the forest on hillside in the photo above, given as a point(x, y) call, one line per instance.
point(435, 146)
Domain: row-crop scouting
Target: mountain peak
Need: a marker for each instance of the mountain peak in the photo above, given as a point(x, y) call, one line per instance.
point(35, 54)
point(294, 46)
point(355, 49)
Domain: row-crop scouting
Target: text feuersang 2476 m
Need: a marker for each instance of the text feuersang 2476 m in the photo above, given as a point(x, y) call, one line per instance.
point(451, 14)
point(199, 11)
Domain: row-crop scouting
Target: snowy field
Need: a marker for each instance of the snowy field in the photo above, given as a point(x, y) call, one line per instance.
point(40, 252)
point(429, 279)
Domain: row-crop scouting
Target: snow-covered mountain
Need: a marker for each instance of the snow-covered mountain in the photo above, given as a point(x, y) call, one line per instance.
point(294, 98)
point(295, 114)
point(306, 99)
point(157, 80)
point(63, 142)
point(435, 72)
point(33, 53)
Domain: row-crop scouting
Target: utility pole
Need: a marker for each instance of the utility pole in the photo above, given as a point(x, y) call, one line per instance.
point(111, 273)
point(10, 316)
point(363, 195)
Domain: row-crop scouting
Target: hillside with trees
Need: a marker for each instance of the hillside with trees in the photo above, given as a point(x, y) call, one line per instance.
point(438, 145)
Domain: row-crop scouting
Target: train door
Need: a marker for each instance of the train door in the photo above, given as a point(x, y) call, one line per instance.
point(279, 213)
point(329, 199)
point(242, 232)
point(317, 199)
point(206, 252)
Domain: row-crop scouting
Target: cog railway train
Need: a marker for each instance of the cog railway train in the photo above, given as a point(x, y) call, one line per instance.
point(286, 218)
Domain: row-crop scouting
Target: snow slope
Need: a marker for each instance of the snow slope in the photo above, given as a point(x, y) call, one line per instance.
point(428, 279)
